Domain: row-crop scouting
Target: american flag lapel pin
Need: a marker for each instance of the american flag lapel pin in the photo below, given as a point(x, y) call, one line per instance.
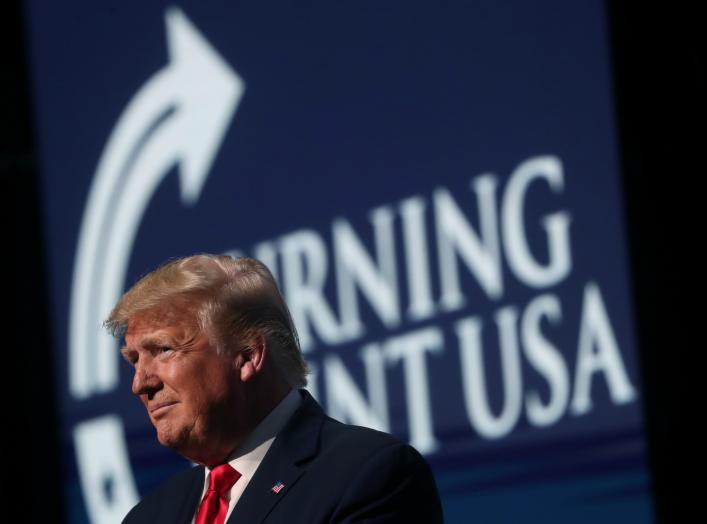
point(277, 487)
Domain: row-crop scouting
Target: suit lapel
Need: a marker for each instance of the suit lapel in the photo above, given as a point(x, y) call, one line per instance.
point(259, 499)
point(284, 463)
point(182, 510)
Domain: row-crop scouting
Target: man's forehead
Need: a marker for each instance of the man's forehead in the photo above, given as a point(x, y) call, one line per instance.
point(162, 318)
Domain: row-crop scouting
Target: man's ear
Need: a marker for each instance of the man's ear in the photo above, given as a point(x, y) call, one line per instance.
point(253, 357)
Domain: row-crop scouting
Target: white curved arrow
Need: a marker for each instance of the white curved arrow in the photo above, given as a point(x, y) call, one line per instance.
point(180, 115)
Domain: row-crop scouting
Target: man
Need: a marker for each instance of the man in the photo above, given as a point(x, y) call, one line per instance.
point(218, 368)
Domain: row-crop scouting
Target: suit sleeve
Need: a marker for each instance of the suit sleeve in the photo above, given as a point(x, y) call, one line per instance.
point(394, 486)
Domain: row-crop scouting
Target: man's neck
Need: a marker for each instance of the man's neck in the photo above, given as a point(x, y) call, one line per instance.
point(270, 425)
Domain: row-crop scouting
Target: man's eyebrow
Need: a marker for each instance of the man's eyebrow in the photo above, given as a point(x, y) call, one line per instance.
point(154, 340)
point(150, 342)
point(125, 351)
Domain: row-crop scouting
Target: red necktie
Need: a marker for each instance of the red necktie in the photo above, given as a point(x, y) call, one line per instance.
point(214, 506)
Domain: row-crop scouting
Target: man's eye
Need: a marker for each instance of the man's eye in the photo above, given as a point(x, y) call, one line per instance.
point(130, 358)
point(166, 349)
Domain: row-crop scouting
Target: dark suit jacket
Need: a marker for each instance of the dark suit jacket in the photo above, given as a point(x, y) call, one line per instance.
point(331, 473)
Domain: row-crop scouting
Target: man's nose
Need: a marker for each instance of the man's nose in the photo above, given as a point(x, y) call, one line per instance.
point(145, 380)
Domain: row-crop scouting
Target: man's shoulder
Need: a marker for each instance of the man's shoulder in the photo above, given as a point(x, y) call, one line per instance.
point(342, 433)
point(361, 473)
point(337, 435)
point(344, 446)
point(338, 443)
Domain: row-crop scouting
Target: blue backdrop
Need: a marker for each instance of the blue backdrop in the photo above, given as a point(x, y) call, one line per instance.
point(435, 186)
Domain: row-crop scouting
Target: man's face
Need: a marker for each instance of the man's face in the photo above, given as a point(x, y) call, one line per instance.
point(192, 394)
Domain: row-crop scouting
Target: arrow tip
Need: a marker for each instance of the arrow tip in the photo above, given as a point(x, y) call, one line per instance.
point(208, 92)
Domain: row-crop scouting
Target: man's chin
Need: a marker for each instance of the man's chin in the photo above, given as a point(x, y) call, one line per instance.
point(185, 450)
point(177, 443)
point(171, 439)
point(167, 442)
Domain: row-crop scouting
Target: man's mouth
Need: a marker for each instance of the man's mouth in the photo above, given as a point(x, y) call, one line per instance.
point(161, 407)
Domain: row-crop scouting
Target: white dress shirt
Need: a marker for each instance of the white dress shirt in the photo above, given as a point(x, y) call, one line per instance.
point(248, 457)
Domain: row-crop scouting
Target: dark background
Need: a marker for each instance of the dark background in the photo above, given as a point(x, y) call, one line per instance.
point(659, 79)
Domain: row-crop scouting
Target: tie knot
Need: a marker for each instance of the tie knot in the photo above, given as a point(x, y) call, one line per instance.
point(223, 478)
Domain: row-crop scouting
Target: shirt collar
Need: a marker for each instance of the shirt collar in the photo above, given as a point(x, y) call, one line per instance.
point(247, 457)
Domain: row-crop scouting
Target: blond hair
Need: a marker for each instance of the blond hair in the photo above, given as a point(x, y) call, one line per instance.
point(232, 299)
